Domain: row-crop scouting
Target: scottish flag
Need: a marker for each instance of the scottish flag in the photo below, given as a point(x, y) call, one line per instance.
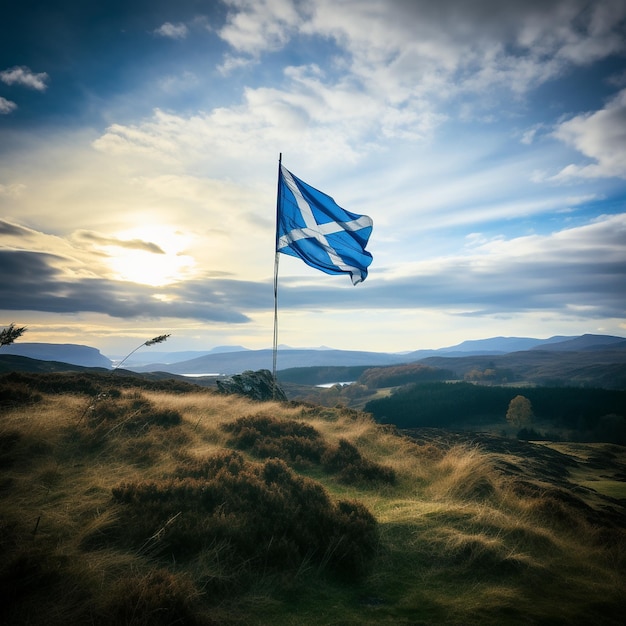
point(314, 228)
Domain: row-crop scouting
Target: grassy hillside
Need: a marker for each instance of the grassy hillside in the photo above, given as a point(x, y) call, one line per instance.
point(134, 505)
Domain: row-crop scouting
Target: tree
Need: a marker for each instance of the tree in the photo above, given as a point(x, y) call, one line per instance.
point(520, 412)
point(10, 334)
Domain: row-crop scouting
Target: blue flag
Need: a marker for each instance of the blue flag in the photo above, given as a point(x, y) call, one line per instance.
point(314, 228)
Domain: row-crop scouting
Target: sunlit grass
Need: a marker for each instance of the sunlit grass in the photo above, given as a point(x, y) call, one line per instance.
point(459, 541)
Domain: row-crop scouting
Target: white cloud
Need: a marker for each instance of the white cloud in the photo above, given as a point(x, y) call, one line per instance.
point(176, 84)
point(6, 106)
point(415, 58)
point(419, 47)
point(310, 118)
point(528, 136)
point(396, 68)
point(256, 26)
point(172, 31)
point(600, 136)
point(26, 77)
point(232, 63)
point(12, 191)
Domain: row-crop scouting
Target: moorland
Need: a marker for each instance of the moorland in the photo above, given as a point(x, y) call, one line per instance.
point(133, 500)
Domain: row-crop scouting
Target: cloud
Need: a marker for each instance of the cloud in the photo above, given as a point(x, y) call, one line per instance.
point(232, 63)
point(6, 228)
point(13, 230)
point(255, 26)
point(133, 244)
point(418, 48)
point(33, 281)
point(572, 269)
point(172, 31)
point(24, 76)
point(180, 83)
point(396, 70)
point(576, 269)
point(6, 106)
point(309, 114)
point(600, 136)
point(12, 191)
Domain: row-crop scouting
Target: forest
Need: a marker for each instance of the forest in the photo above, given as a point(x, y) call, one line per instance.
point(578, 414)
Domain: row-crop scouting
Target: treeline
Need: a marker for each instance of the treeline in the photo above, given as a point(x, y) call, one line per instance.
point(321, 375)
point(395, 375)
point(371, 377)
point(594, 414)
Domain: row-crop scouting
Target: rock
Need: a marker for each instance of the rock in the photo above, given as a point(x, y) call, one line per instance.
point(259, 385)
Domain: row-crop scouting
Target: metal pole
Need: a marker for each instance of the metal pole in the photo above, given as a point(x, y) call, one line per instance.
point(276, 257)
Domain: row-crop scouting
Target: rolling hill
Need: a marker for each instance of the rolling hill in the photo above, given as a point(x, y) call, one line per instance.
point(150, 506)
point(592, 360)
point(238, 361)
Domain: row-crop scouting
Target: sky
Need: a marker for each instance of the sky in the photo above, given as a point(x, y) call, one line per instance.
point(139, 147)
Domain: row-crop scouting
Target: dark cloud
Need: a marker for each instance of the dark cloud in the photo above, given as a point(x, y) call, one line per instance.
point(29, 281)
point(469, 19)
point(594, 289)
point(6, 228)
point(570, 284)
point(130, 244)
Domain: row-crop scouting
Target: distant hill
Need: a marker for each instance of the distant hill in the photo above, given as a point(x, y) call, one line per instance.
point(584, 360)
point(16, 363)
point(236, 362)
point(493, 345)
point(584, 342)
point(71, 353)
point(605, 367)
point(139, 358)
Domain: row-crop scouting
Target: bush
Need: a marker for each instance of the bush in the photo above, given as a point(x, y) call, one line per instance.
point(94, 383)
point(301, 444)
point(158, 598)
point(252, 516)
point(346, 461)
point(16, 394)
point(265, 437)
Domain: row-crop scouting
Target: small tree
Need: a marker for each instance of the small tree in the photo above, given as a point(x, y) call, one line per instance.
point(10, 334)
point(520, 412)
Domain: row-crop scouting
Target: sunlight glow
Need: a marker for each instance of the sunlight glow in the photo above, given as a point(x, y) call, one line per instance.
point(151, 255)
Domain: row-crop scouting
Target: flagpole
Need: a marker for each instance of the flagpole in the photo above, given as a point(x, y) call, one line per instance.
point(276, 257)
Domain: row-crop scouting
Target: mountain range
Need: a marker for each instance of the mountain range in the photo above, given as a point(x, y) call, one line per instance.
point(238, 361)
point(234, 359)
point(586, 360)
point(74, 354)
point(229, 360)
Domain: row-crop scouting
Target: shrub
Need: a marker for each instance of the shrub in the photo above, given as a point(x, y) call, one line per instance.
point(346, 461)
point(94, 383)
point(57, 383)
point(262, 516)
point(16, 394)
point(158, 598)
point(300, 443)
point(266, 437)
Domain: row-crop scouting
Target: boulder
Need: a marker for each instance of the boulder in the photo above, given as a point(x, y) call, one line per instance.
point(259, 385)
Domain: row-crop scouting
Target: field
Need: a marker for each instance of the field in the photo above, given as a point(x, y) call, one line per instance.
point(123, 504)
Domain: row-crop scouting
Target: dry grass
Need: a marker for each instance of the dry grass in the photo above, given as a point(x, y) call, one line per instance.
point(460, 542)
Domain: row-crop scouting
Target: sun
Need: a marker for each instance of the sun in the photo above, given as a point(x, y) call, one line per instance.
point(150, 255)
